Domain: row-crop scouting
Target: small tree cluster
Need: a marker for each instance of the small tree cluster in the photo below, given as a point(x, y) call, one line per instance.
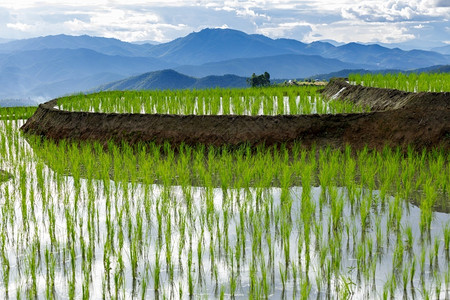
point(259, 80)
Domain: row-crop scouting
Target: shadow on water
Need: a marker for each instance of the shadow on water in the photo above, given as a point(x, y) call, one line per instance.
point(5, 176)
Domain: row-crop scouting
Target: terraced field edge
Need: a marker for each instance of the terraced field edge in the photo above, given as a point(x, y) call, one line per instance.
point(398, 119)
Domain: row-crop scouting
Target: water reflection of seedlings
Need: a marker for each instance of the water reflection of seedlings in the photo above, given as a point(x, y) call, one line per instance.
point(239, 227)
point(447, 240)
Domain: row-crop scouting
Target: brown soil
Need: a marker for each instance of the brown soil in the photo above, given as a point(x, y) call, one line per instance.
point(421, 120)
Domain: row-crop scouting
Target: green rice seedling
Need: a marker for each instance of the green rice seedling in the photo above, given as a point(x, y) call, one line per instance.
point(318, 231)
point(199, 258)
point(5, 272)
point(422, 261)
point(19, 292)
point(277, 100)
point(409, 239)
point(412, 272)
point(398, 255)
point(222, 292)
point(437, 285)
point(233, 284)
point(447, 279)
point(423, 82)
point(346, 287)
point(378, 234)
point(71, 287)
point(134, 259)
point(190, 277)
point(118, 282)
point(425, 292)
point(156, 271)
point(405, 276)
point(392, 284)
point(427, 206)
point(447, 240)
point(436, 247)
point(86, 283)
point(431, 258)
point(24, 203)
point(32, 270)
point(337, 208)
point(50, 264)
point(283, 276)
point(305, 289)
point(395, 214)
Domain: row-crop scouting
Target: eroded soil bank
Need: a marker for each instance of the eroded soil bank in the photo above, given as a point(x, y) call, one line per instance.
point(421, 120)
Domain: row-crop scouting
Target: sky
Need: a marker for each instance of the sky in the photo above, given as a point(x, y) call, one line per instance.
point(413, 23)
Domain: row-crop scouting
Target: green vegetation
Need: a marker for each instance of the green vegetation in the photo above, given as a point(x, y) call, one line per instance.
point(16, 113)
point(4, 176)
point(413, 82)
point(264, 101)
point(259, 80)
point(84, 220)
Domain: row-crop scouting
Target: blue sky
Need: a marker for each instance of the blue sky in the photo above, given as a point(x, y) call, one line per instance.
point(414, 23)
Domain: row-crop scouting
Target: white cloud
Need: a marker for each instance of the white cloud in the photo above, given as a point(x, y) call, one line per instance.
point(393, 10)
point(359, 31)
point(306, 20)
point(125, 25)
point(19, 26)
point(224, 26)
point(284, 29)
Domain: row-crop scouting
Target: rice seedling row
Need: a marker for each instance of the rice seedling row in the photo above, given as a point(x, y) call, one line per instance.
point(413, 82)
point(267, 101)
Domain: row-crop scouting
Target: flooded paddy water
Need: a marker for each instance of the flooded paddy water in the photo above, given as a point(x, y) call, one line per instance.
point(81, 221)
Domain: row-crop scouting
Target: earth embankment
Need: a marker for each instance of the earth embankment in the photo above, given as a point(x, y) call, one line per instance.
point(421, 120)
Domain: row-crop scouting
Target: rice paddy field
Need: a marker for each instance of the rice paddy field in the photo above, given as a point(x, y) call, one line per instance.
point(90, 221)
point(413, 82)
point(267, 101)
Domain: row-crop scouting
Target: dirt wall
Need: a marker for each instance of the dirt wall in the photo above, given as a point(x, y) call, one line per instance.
point(384, 99)
point(405, 119)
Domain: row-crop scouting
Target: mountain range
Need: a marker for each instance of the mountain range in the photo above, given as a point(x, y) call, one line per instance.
point(170, 79)
point(46, 67)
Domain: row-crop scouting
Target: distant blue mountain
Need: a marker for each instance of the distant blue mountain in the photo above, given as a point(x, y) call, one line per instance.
point(107, 46)
point(52, 72)
point(212, 45)
point(443, 50)
point(2, 40)
point(279, 66)
point(50, 66)
point(347, 72)
point(170, 79)
point(17, 102)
